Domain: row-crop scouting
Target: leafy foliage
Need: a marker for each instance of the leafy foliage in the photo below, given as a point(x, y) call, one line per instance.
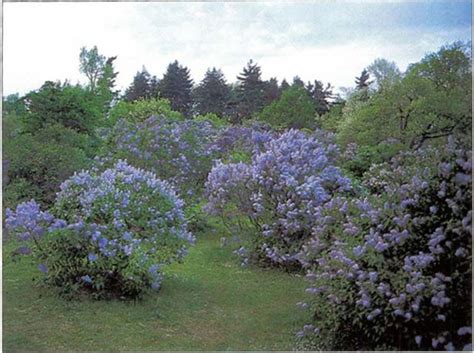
point(40, 162)
point(294, 109)
point(140, 110)
point(92, 64)
point(430, 102)
point(71, 106)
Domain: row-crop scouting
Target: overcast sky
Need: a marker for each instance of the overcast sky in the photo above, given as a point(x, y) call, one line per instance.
point(328, 41)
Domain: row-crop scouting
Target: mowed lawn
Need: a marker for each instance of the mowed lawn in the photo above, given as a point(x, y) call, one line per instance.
point(207, 303)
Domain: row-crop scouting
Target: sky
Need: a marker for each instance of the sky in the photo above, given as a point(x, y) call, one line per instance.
point(331, 41)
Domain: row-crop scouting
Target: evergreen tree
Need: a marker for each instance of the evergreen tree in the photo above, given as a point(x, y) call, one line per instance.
point(320, 96)
point(176, 86)
point(106, 84)
point(271, 91)
point(154, 87)
point(362, 82)
point(212, 94)
point(297, 82)
point(250, 90)
point(284, 85)
point(232, 108)
point(140, 87)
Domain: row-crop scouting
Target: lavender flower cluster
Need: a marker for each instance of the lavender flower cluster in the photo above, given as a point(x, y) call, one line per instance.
point(279, 192)
point(246, 140)
point(108, 231)
point(394, 270)
point(180, 152)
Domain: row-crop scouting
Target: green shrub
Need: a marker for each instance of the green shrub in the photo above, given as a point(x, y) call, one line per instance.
point(43, 160)
point(140, 110)
point(294, 109)
point(55, 103)
point(216, 121)
point(367, 156)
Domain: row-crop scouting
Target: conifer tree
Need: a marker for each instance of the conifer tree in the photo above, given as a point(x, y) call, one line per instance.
point(213, 94)
point(320, 96)
point(363, 80)
point(176, 86)
point(271, 91)
point(250, 90)
point(140, 87)
point(284, 85)
point(297, 82)
point(106, 84)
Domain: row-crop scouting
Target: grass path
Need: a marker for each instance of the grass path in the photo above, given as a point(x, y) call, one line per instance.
point(207, 303)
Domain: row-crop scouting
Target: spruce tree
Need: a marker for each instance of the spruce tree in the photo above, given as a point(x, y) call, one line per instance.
point(213, 94)
point(106, 84)
point(250, 90)
point(176, 86)
point(140, 87)
point(320, 96)
point(271, 91)
point(154, 87)
point(297, 82)
point(362, 81)
point(284, 85)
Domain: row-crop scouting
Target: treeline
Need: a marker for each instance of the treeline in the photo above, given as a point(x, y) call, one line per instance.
point(244, 98)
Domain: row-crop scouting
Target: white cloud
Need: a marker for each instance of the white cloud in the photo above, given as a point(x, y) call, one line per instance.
point(42, 40)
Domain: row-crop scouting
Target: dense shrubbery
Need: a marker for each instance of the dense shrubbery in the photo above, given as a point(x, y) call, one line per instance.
point(216, 121)
point(280, 193)
point(49, 134)
point(394, 271)
point(294, 109)
point(140, 110)
point(108, 233)
point(238, 143)
point(359, 159)
point(39, 162)
point(177, 151)
point(55, 103)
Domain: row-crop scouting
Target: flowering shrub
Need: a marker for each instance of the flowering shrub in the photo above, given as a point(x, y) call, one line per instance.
point(177, 151)
point(239, 143)
point(394, 271)
point(384, 177)
point(279, 193)
point(108, 233)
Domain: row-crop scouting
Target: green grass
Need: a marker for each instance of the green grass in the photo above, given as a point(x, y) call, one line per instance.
point(207, 303)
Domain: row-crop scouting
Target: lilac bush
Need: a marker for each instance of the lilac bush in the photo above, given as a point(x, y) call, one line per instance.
point(278, 192)
point(108, 233)
point(178, 151)
point(238, 143)
point(393, 271)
